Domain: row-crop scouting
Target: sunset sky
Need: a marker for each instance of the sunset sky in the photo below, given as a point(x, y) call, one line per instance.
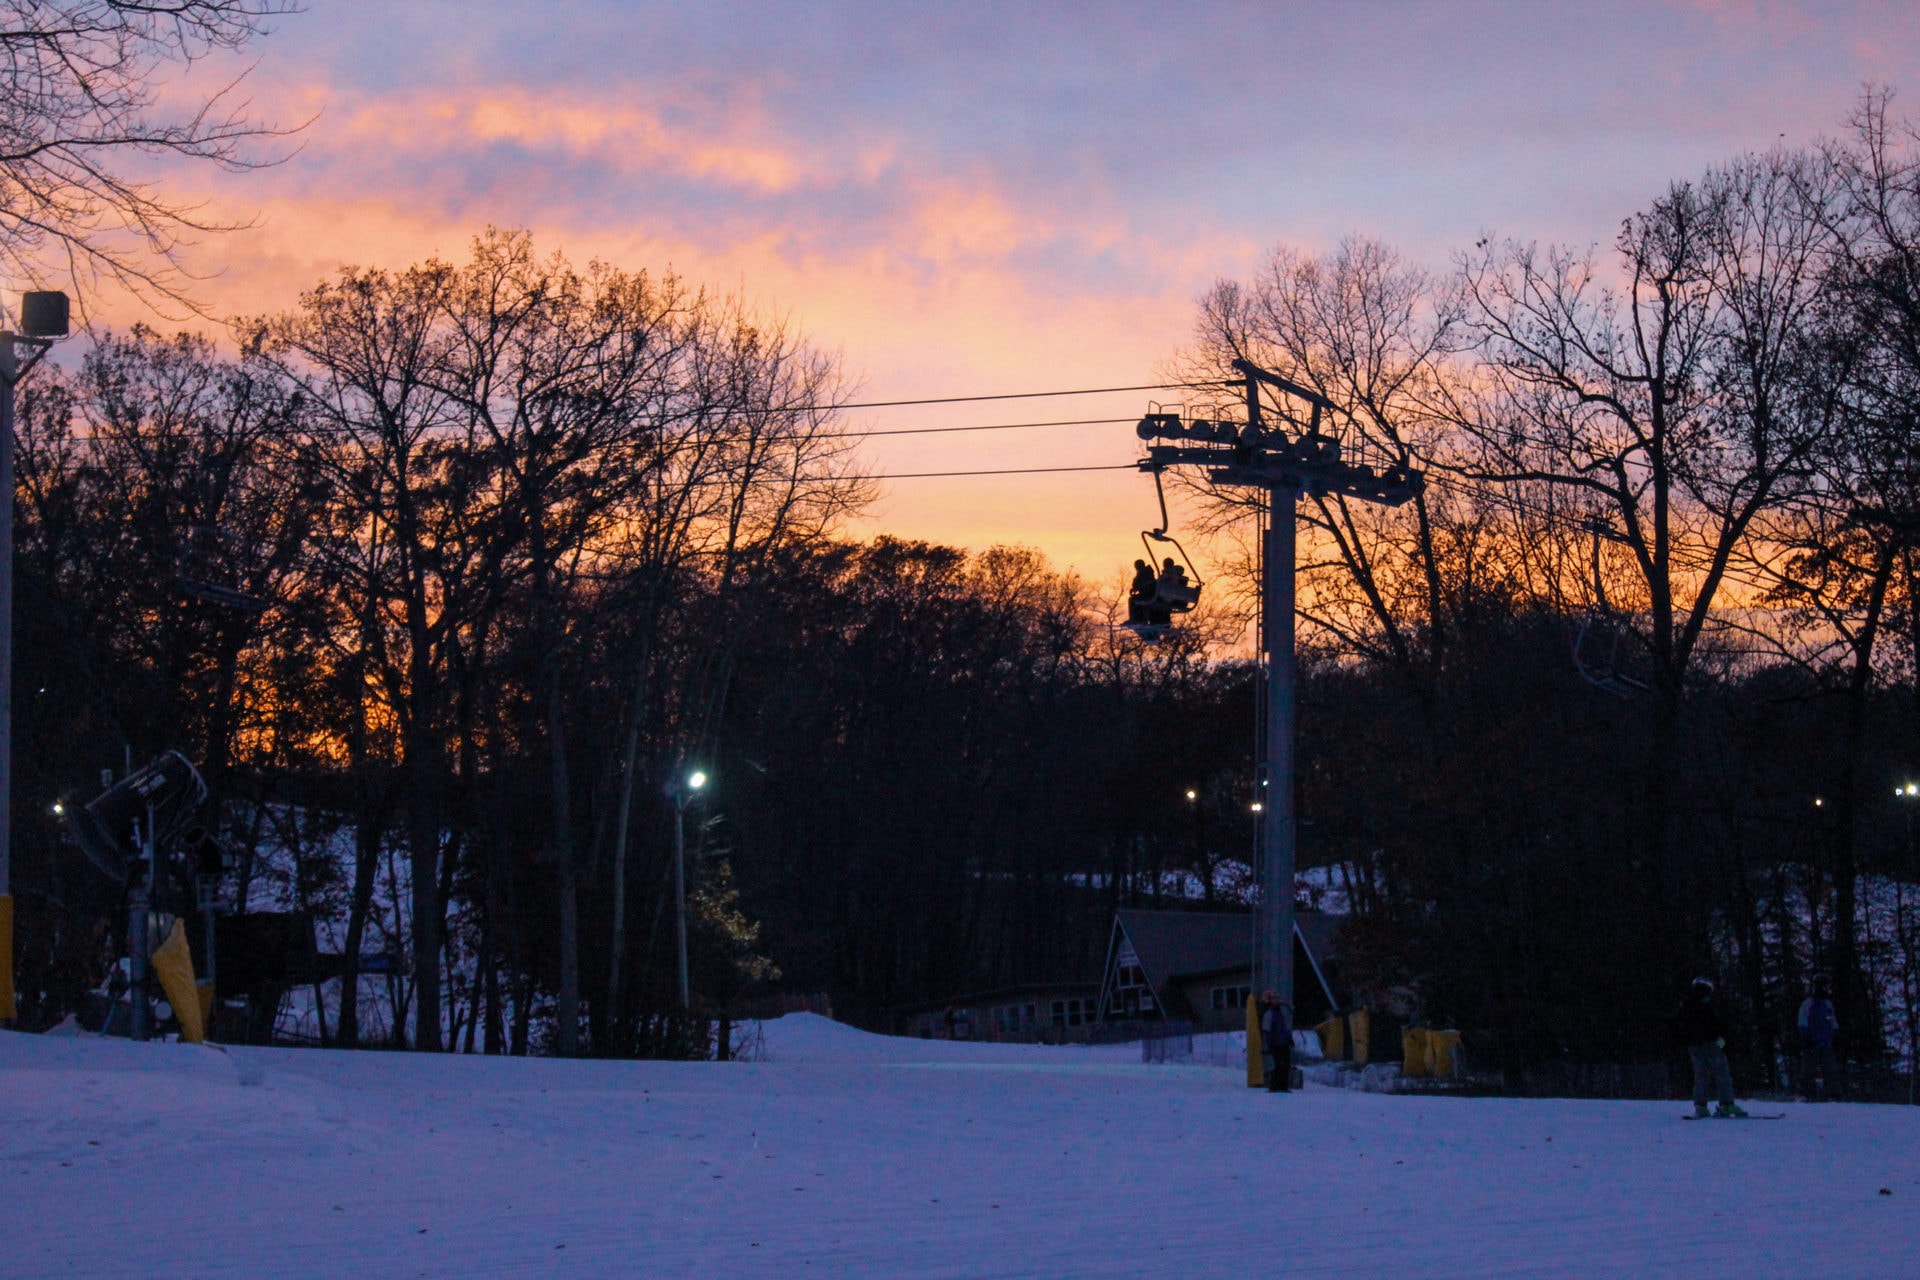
point(971, 198)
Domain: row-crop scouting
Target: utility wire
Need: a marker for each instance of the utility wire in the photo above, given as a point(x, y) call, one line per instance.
point(1009, 471)
point(1012, 395)
point(996, 426)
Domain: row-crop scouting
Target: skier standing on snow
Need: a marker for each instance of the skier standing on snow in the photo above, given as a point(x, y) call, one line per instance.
point(1276, 1042)
point(1819, 1027)
point(1699, 1026)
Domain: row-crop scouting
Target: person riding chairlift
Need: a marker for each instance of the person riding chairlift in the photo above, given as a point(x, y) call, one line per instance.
point(1172, 584)
point(1140, 594)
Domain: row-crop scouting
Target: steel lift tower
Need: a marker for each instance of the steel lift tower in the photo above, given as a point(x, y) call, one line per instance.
point(1284, 461)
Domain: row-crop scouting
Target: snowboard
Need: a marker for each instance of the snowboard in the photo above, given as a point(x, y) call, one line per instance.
point(1776, 1115)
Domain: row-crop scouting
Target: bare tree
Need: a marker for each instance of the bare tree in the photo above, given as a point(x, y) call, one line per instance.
point(1845, 555)
point(367, 351)
point(1676, 397)
point(743, 463)
point(80, 96)
point(560, 373)
point(1377, 336)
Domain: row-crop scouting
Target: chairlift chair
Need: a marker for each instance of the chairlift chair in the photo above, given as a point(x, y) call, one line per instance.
point(1602, 670)
point(1596, 642)
point(1176, 592)
point(199, 565)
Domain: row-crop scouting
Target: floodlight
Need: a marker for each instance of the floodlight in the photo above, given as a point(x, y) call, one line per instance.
point(44, 314)
point(696, 780)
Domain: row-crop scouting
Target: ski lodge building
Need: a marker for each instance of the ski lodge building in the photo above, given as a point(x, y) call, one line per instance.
point(1197, 967)
point(1184, 966)
point(1037, 1012)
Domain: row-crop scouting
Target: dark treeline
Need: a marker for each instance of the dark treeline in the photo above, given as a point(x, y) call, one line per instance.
point(1624, 695)
point(528, 543)
point(1621, 697)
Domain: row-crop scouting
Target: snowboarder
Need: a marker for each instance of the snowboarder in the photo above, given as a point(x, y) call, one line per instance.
point(1276, 1042)
point(1699, 1026)
point(1819, 1027)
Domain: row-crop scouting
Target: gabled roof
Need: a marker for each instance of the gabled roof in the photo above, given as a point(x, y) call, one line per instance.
point(1188, 944)
point(1173, 944)
point(1319, 931)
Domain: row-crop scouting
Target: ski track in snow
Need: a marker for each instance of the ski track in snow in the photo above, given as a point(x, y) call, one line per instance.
point(853, 1155)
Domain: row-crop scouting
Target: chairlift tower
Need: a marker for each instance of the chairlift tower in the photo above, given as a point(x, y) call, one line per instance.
point(1283, 460)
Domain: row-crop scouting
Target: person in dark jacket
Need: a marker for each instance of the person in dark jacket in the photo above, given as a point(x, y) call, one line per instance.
point(1699, 1026)
point(1140, 594)
point(1819, 1028)
point(1276, 1042)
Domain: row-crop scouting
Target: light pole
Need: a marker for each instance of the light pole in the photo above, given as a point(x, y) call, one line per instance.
point(1909, 792)
point(43, 318)
point(1200, 862)
point(1909, 795)
point(679, 791)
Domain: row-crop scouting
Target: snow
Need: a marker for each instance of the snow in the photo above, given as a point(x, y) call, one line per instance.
point(845, 1154)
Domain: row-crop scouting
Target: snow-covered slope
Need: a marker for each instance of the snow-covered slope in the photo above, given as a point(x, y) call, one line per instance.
point(843, 1154)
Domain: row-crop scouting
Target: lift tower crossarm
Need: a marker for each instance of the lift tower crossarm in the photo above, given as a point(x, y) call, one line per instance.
point(1254, 373)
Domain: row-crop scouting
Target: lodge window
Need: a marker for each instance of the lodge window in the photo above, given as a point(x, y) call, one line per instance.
point(1012, 1018)
point(1223, 998)
point(1071, 1013)
point(1131, 994)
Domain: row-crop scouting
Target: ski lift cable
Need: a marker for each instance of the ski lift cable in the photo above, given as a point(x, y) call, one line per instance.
point(1003, 471)
point(993, 426)
point(1011, 395)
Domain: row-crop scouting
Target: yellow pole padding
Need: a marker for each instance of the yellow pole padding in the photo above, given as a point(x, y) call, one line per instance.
point(1440, 1047)
point(1415, 1059)
point(1333, 1038)
point(1256, 1068)
point(6, 958)
point(173, 965)
point(1358, 1027)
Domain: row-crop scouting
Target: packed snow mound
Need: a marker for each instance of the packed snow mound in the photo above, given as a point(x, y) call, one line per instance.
point(808, 1037)
point(66, 1053)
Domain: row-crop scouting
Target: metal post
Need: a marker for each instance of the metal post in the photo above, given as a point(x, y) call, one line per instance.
point(139, 945)
point(43, 317)
point(9, 372)
point(1274, 956)
point(680, 890)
